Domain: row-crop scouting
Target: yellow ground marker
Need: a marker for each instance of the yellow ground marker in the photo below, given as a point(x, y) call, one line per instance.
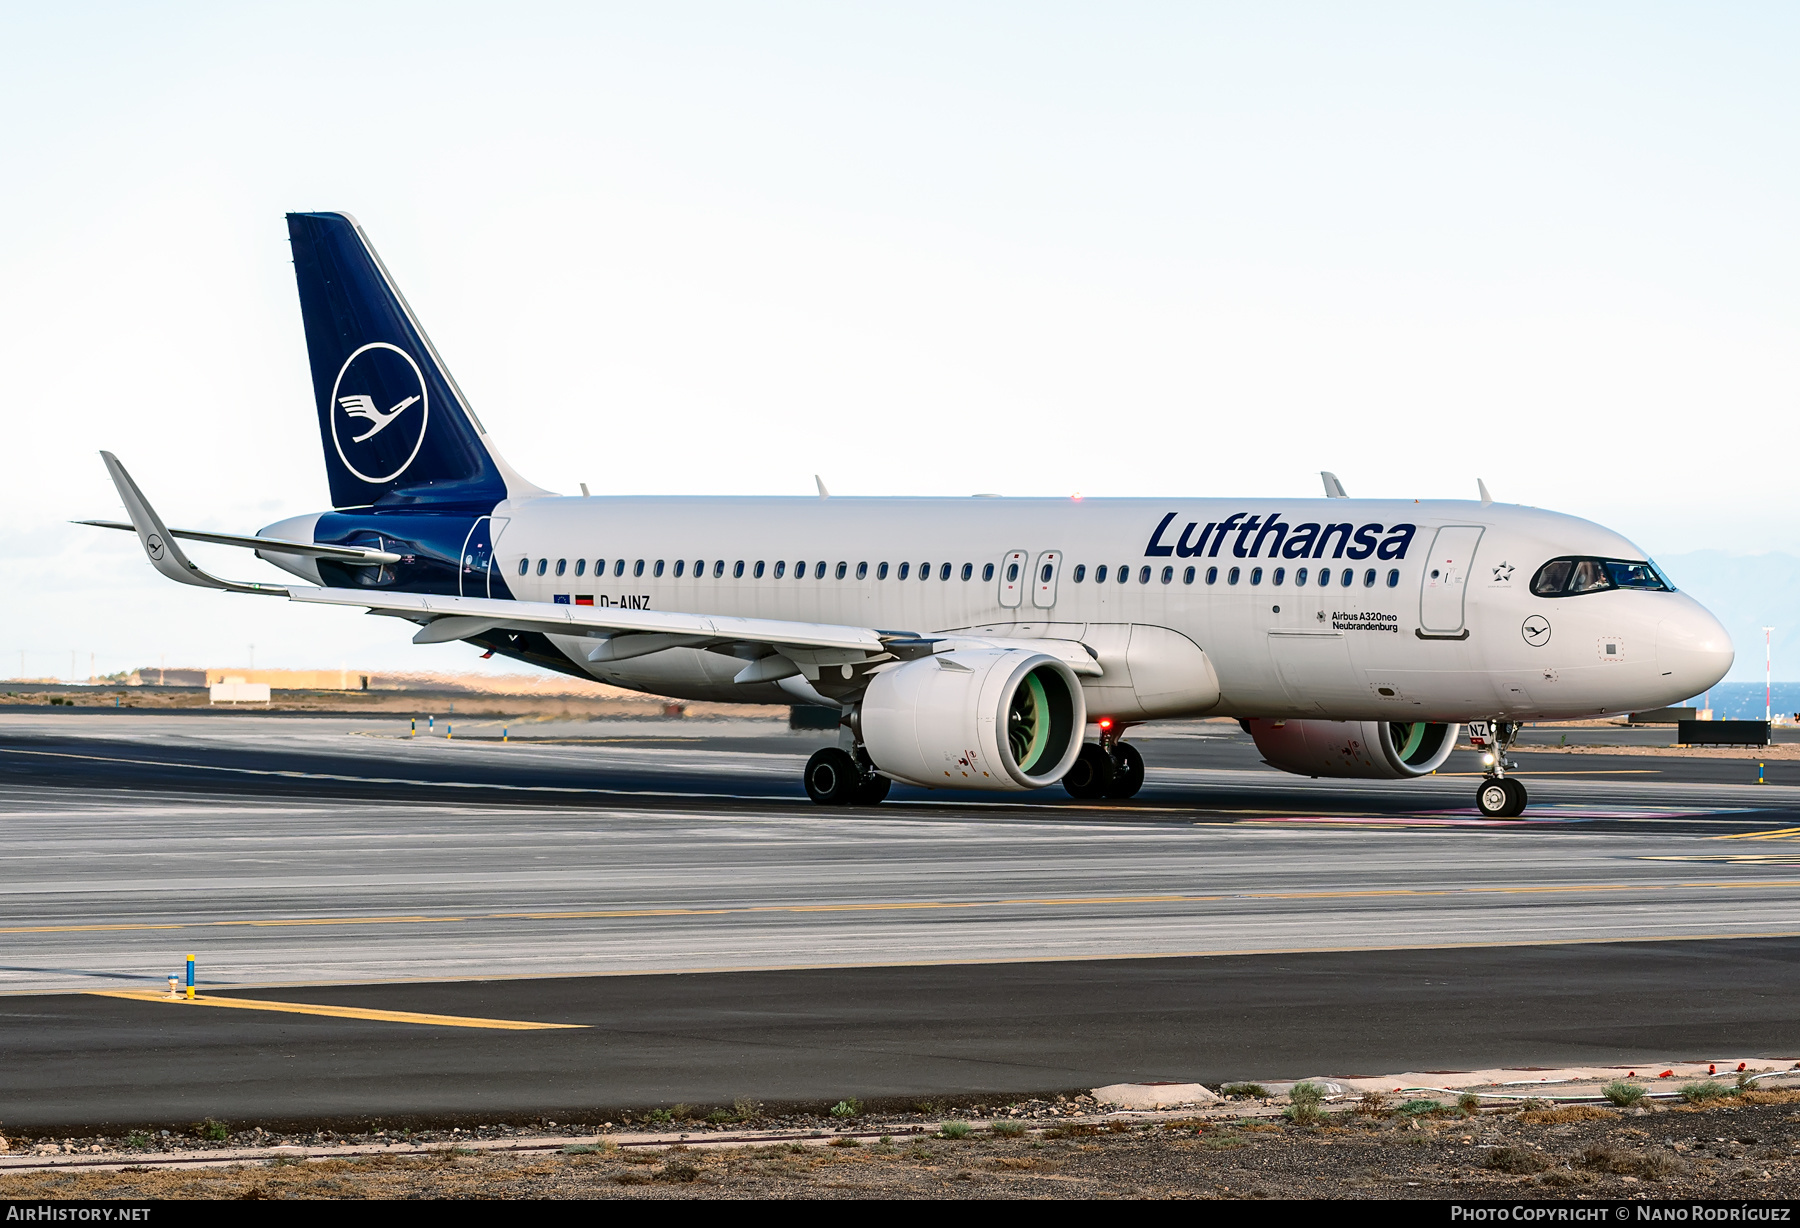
point(1779, 833)
point(339, 1012)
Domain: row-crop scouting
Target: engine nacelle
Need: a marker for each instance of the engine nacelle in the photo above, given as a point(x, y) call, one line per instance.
point(982, 718)
point(1370, 750)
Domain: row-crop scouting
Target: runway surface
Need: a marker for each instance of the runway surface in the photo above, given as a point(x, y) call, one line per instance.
point(935, 944)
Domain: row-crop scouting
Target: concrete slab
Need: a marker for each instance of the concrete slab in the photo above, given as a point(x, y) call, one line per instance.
point(1154, 1095)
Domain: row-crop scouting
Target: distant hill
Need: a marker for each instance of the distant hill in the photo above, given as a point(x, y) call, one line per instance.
point(1747, 592)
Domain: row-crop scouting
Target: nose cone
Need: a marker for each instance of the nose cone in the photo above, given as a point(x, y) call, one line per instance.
point(1693, 651)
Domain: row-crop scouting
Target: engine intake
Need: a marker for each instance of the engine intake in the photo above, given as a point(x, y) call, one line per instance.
point(997, 718)
point(1369, 750)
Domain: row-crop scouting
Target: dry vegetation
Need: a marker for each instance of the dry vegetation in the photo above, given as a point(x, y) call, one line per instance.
point(1746, 1148)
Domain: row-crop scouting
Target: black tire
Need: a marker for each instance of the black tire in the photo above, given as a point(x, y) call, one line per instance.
point(1516, 789)
point(1128, 772)
point(832, 777)
point(1091, 775)
point(872, 791)
point(1494, 798)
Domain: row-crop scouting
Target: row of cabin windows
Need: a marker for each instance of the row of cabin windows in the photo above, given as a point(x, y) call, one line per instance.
point(757, 569)
point(1278, 576)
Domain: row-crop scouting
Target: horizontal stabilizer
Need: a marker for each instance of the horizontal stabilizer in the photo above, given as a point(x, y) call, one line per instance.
point(266, 545)
point(159, 543)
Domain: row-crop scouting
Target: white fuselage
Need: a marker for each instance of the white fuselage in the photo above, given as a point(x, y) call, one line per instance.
point(1427, 627)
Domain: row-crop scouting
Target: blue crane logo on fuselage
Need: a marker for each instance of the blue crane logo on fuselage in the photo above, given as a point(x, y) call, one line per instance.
point(374, 423)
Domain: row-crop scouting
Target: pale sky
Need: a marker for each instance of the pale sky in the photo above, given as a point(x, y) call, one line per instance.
point(1121, 249)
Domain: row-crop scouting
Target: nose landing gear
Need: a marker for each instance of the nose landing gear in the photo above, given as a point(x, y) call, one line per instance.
point(1499, 796)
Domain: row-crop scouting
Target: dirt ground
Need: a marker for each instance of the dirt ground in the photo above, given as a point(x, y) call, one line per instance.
point(1747, 1147)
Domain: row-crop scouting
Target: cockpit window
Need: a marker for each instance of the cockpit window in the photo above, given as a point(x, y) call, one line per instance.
point(1573, 577)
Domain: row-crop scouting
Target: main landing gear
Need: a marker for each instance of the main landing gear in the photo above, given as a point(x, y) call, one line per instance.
point(1499, 796)
point(1107, 768)
point(835, 777)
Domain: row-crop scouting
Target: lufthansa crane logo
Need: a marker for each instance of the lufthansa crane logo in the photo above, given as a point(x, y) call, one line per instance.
point(379, 409)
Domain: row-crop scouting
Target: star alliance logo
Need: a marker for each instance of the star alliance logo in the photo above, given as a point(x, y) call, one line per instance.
point(1503, 573)
point(377, 375)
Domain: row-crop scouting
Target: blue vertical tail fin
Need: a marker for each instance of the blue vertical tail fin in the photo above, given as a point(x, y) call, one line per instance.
point(396, 429)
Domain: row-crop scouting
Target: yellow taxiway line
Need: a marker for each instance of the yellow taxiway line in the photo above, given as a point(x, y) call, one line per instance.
point(337, 1012)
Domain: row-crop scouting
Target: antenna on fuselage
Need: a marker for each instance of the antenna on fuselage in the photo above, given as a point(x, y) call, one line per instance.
point(1486, 498)
point(1334, 489)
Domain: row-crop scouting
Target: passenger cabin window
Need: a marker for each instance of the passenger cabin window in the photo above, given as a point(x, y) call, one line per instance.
point(1012, 572)
point(906, 570)
point(968, 571)
point(680, 567)
point(1231, 577)
point(1187, 577)
point(618, 567)
point(843, 569)
point(862, 571)
point(1369, 578)
point(1348, 578)
point(581, 567)
point(718, 569)
point(1100, 574)
point(562, 565)
point(699, 568)
point(658, 569)
point(1324, 577)
point(1574, 577)
point(1143, 575)
point(1279, 575)
point(881, 571)
point(543, 566)
point(944, 572)
point(780, 568)
point(800, 570)
point(987, 572)
point(524, 566)
point(1300, 578)
point(1394, 578)
point(819, 570)
point(758, 569)
point(1080, 572)
point(924, 571)
point(737, 570)
point(1167, 576)
point(1212, 575)
point(1256, 575)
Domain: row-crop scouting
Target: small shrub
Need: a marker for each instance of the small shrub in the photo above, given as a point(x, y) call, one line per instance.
point(746, 1109)
point(1245, 1091)
point(1567, 1113)
point(1654, 1164)
point(681, 1112)
point(679, 1171)
point(630, 1178)
point(586, 1149)
point(661, 1117)
point(1420, 1108)
point(1469, 1103)
point(1564, 1177)
point(1519, 1160)
point(846, 1108)
point(844, 1140)
point(887, 1140)
point(1304, 1112)
point(1622, 1093)
point(1697, 1093)
point(1008, 1129)
point(137, 1139)
point(1307, 1093)
point(721, 1117)
point(1115, 1126)
point(954, 1129)
point(1222, 1139)
point(1072, 1129)
point(1372, 1104)
point(212, 1131)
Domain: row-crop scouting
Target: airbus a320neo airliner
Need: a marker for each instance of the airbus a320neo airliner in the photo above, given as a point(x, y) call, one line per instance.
point(980, 643)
